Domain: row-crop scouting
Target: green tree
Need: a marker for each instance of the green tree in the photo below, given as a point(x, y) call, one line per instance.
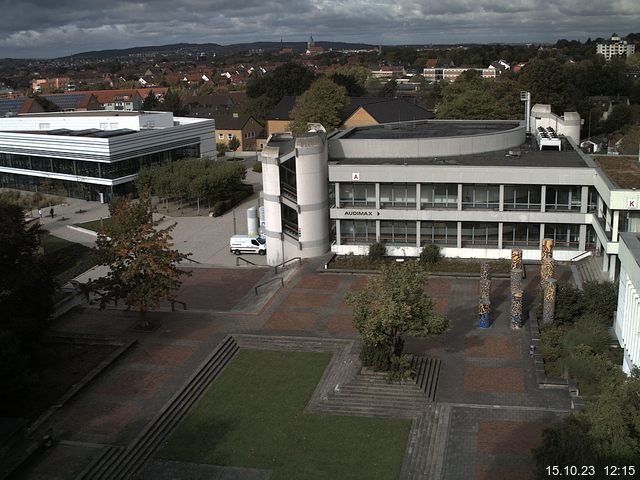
point(392, 305)
point(221, 149)
point(143, 268)
point(322, 103)
point(631, 141)
point(150, 102)
point(288, 79)
point(549, 83)
point(234, 144)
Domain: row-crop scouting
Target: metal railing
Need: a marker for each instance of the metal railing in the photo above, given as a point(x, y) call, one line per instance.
point(255, 289)
point(173, 305)
point(238, 259)
point(283, 264)
point(583, 254)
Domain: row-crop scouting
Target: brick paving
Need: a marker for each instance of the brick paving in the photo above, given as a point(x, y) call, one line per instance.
point(497, 410)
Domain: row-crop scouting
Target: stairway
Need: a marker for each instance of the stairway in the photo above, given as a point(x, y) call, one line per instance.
point(116, 463)
point(587, 270)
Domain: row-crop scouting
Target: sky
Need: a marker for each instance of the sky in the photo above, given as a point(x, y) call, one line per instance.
point(47, 29)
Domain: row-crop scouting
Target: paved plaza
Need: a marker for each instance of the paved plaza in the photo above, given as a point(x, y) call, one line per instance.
point(487, 379)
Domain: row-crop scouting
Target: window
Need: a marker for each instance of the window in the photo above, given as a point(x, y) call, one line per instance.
point(288, 178)
point(564, 236)
point(563, 198)
point(479, 234)
point(357, 232)
point(520, 235)
point(229, 136)
point(439, 195)
point(486, 197)
point(397, 195)
point(289, 221)
point(522, 197)
point(592, 200)
point(357, 195)
point(438, 233)
point(221, 136)
point(398, 232)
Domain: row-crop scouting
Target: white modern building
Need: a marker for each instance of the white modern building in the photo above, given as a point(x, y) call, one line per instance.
point(627, 321)
point(615, 47)
point(95, 154)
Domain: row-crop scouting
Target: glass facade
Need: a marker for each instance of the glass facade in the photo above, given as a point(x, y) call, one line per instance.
point(357, 232)
point(483, 197)
point(290, 221)
point(439, 233)
point(563, 235)
point(520, 235)
point(398, 195)
point(561, 198)
point(288, 182)
point(398, 232)
point(439, 195)
point(82, 168)
point(357, 195)
point(522, 197)
point(479, 234)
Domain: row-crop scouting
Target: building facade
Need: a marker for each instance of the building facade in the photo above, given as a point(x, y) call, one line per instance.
point(615, 47)
point(95, 155)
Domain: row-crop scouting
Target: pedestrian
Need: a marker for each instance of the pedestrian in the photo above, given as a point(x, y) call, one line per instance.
point(51, 212)
point(40, 212)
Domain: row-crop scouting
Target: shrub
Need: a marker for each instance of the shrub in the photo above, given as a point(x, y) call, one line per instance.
point(377, 251)
point(376, 357)
point(430, 254)
point(601, 299)
point(400, 368)
point(257, 167)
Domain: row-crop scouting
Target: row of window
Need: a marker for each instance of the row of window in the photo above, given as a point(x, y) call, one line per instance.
point(445, 195)
point(400, 232)
point(84, 168)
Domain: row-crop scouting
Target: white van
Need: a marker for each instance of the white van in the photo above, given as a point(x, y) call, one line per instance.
point(247, 244)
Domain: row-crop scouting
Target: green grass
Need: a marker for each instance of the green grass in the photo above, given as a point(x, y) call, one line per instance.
point(253, 417)
point(95, 224)
point(67, 259)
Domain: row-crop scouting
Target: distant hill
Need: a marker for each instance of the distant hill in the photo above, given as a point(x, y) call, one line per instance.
point(210, 48)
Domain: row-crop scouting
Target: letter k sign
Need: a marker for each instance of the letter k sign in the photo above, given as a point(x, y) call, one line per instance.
point(632, 203)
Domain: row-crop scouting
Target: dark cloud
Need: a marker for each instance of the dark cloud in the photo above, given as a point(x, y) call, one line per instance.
point(45, 29)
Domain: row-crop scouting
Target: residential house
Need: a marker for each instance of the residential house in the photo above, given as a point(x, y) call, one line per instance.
point(243, 127)
point(606, 104)
point(126, 100)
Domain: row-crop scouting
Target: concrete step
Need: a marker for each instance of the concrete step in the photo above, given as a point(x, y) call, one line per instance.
point(438, 442)
point(128, 462)
point(364, 410)
point(415, 461)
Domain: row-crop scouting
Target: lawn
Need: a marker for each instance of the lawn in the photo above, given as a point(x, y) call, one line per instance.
point(95, 225)
point(67, 259)
point(252, 417)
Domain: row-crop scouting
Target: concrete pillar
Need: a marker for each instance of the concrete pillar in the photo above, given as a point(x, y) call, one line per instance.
point(378, 200)
point(541, 235)
point(547, 271)
point(607, 222)
point(543, 198)
point(549, 304)
point(312, 174)
point(612, 267)
point(546, 250)
point(500, 235)
point(418, 193)
point(501, 199)
point(377, 230)
point(459, 239)
point(614, 226)
point(336, 191)
point(270, 159)
point(418, 239)
point(605, 261)
point(459, 197)
point(338, 232)
point(584, 200)
point(516, 259)
point(582, 239)
point(516, 311)
point(485, 281)
point(600, 207)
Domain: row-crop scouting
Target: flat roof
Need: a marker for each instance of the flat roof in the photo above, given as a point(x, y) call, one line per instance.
point(526, 155)
point(429, 129)
point(89, 113)
point(622, 170)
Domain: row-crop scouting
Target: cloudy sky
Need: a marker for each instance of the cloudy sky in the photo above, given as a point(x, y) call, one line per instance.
point(39, 28)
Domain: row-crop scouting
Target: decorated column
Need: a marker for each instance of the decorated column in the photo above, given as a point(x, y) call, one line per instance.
point(547, 248)
point(484, 306)
point(516, 310)
point(516, 259)
point(547, 271)
point(549, 303)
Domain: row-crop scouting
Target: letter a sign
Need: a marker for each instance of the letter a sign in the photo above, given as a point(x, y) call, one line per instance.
point(355, 177)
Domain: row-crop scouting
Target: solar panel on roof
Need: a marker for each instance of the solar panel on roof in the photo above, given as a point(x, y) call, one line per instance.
point(10, 105)
point(66, 101)
point(113, 133)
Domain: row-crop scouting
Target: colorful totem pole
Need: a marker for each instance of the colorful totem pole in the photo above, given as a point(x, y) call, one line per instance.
point(517, 288)
point(549, 302)
point(546, 262)
point(484, 306)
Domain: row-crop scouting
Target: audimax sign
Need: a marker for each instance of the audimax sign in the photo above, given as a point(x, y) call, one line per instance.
point(360, 213)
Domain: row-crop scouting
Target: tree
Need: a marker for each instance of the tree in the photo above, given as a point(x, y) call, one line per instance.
point(631, 141)
point(322, 103)
point(150, 102)
point(234, 144)
point(392, 305)
point(221, 149)
point(143, 266)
